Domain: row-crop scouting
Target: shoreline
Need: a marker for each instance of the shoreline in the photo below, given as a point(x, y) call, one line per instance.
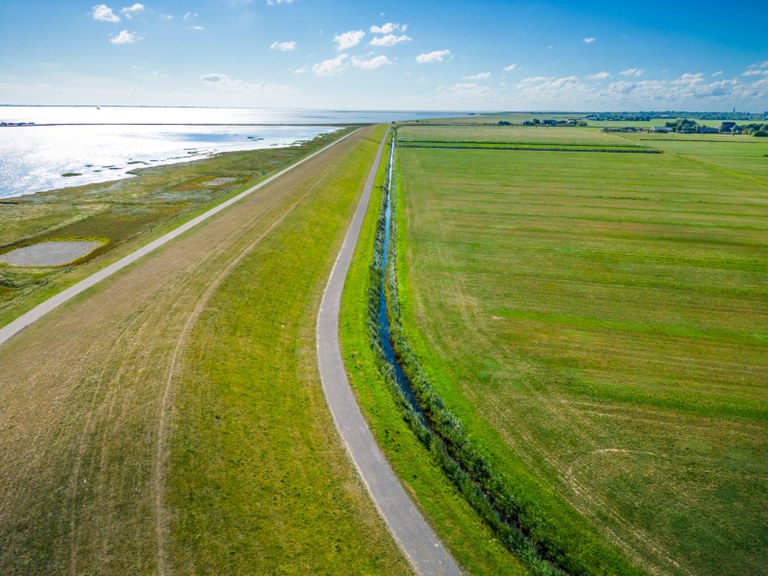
point(128, 159)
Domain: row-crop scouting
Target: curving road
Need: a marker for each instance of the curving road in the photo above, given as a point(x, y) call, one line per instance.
point(417, 540)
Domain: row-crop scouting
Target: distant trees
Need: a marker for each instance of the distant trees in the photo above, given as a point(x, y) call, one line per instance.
point(760, 130)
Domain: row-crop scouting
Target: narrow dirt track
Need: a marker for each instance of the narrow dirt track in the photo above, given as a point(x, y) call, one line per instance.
point(417, 540)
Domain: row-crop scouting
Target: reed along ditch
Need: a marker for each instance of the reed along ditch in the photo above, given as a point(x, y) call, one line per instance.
point(441, 432)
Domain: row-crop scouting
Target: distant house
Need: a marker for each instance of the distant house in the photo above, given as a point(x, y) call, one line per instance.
point(662, 129)
point(727, 127)
point(708, 130)
point(548, 122)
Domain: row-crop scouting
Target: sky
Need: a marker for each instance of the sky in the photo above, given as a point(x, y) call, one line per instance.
point(483, 55)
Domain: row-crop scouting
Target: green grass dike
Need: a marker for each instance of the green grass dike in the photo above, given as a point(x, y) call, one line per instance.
point(255, 459)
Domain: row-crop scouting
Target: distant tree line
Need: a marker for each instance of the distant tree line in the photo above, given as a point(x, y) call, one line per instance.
point(760, 130)
point(647, 116)
point(688, 126)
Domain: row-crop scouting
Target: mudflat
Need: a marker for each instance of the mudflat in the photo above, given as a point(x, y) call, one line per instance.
point(54, 253)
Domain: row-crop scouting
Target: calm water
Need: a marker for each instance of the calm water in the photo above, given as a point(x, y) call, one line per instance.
point(96, 143)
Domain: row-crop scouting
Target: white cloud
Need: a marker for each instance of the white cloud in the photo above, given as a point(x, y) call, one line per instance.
point(131, 11)
point(332, 67)
point(348, 39)
point(757, 69)
point(390, 40)
point(510, 68)
point(190, 15)
point(283, 46)
point(600, 75)
point(276, 2)
point(224, 83)
point(636, 72)
point(435, 56)
point(466, 91)
point(371, 63)
point(716, 74)
point(196, 28)
point(388, 28)
point(588, 40)
point(478, 76)
point(103, 13)
point(214, 78)
point(124, 37)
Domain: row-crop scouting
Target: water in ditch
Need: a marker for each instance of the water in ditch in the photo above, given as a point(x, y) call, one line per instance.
point(385, 336)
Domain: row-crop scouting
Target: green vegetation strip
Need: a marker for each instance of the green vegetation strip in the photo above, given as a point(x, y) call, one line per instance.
point(257, 481)
point(418, 463)
point(529, 146)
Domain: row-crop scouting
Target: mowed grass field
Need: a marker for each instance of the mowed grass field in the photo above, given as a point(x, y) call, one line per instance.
point(171, 420)
point(599, 322)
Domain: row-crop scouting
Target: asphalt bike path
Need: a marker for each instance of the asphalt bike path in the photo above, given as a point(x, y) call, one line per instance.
point(421, 546)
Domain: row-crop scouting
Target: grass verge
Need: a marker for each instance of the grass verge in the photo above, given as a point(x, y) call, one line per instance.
point(471, 542)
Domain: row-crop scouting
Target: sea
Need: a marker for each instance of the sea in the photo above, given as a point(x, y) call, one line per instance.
point(50, 147)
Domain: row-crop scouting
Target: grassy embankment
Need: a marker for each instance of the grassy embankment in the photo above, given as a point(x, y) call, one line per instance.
point(595, 322)
point(124, 214)
point(172, 416)
point(469, 540)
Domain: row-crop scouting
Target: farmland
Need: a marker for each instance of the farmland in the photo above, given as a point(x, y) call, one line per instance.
point(597, 322)
point(171, 419)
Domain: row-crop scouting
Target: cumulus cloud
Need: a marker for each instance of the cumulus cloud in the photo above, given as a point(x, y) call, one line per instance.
point(196, 28)
point(434, 56)
point(696, 91)
point(224, 83)
point(390, 40)
point(276, 2)
point(283, 46)
point(478, 76)
point(371, 63)
point(124, 37)
point(348, 40)
point(599, 75)
point(131, 11)
point(214, 78)
point(636, 72)
point(588, 40)
point(757, 69)
point(465, 91)
point(103, 13)
point(388, 28)
point(510, 68)
point(331, 67)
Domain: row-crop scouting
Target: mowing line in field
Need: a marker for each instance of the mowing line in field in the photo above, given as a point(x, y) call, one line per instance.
point(419, 543)
point(11, 329)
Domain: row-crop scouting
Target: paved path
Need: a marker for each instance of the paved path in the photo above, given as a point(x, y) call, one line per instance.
point(10, 330)
point(417, 540)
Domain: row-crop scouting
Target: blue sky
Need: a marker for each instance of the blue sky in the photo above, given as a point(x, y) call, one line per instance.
point(427, 55)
